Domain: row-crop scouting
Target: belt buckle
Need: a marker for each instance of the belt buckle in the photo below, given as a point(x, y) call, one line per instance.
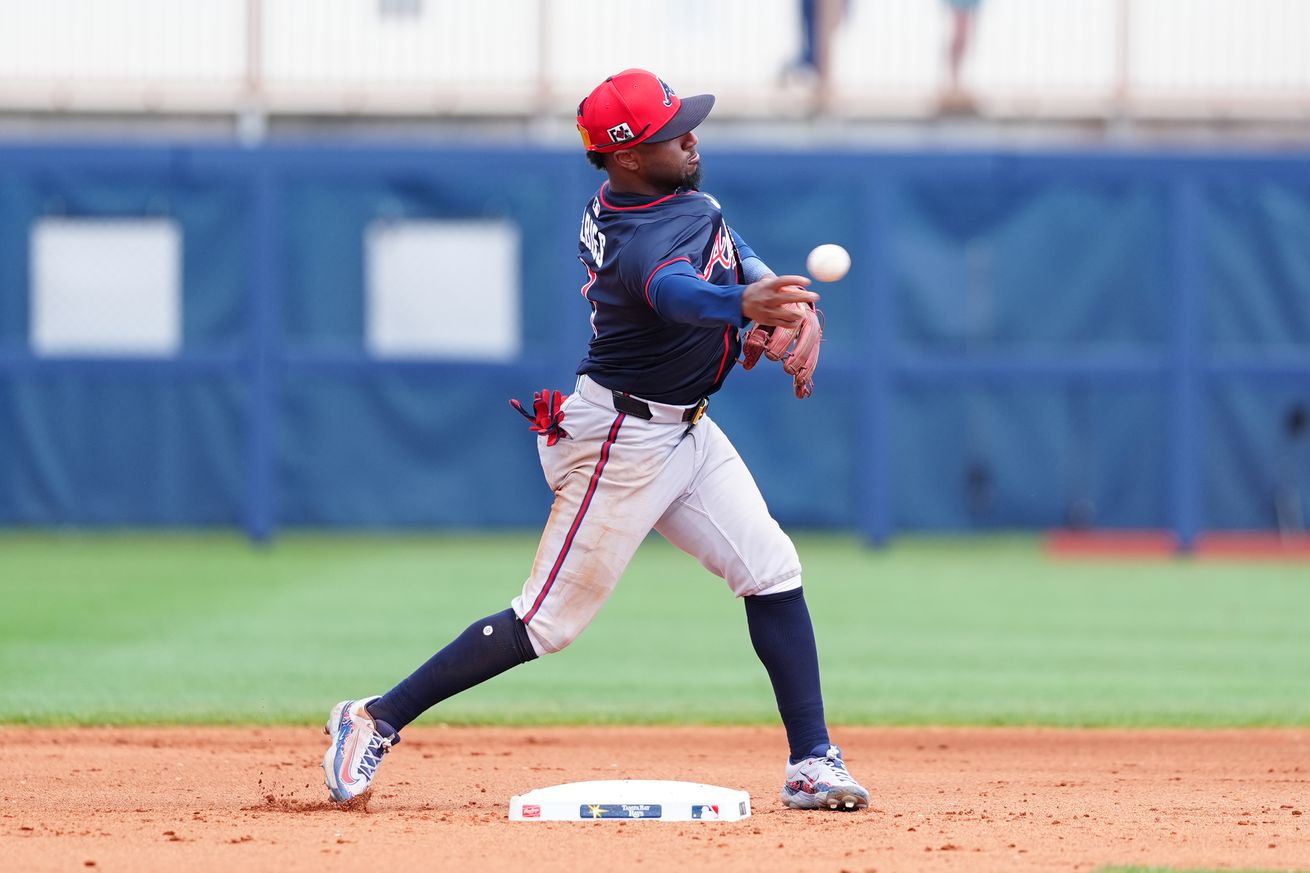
point(700, 410)
point(696, 416)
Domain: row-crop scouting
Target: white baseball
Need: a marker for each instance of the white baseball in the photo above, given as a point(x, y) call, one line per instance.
point(828, 262)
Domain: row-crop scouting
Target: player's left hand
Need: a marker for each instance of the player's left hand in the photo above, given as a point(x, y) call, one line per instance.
point(797, 347)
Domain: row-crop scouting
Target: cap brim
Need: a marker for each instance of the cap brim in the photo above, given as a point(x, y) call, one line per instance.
point(690, 114)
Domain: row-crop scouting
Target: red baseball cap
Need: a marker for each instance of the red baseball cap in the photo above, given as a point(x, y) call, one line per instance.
point(637, 106)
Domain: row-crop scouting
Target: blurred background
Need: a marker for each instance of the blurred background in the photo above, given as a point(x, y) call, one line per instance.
point(271, 264)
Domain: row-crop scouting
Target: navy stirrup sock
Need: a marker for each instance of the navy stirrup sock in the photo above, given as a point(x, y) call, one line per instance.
point(783, 638)
point(489, 647)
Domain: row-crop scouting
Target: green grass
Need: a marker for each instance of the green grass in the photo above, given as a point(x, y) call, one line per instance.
point(134, 628)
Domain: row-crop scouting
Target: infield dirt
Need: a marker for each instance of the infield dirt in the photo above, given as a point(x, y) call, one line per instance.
point(985, 799)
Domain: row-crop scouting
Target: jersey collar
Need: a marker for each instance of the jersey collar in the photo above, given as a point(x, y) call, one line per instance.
point(621, 202)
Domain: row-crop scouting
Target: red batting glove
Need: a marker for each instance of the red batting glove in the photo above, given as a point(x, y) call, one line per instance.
point(546, 416)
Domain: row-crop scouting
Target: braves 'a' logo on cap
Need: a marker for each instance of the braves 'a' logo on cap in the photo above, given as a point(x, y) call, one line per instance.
point(620, 133)
point(668, 92)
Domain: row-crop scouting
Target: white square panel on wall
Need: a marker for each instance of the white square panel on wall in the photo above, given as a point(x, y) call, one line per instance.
point(106, 287)
point(442, 289)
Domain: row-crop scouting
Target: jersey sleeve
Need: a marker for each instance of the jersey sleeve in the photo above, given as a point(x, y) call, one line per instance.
point(659, 269)
point(744, 250)
point(752, 267)
point(679, 294)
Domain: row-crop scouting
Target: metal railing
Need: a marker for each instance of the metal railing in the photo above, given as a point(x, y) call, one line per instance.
point(872, 59)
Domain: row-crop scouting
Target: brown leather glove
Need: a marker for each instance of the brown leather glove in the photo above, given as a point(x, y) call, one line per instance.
point(797, 348)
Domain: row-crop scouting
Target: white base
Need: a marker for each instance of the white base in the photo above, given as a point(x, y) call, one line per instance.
point(631, 800)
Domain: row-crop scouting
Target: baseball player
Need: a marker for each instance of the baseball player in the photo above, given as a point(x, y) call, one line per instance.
point(670, 289)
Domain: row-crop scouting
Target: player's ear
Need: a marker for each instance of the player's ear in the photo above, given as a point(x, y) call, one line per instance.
point(626, 158)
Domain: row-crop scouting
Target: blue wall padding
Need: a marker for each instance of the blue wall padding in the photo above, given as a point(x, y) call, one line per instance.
point(1024, 341)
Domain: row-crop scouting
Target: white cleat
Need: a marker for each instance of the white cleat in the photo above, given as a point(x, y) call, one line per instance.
point(356, 750)
point(822, 781)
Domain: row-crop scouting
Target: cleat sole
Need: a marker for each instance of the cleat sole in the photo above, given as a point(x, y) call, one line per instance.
point(848, 803)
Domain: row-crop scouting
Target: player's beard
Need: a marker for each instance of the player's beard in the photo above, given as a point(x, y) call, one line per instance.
point(671, 179)
point(691, 178)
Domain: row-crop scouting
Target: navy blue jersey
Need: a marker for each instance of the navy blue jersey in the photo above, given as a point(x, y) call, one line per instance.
point(665, 340)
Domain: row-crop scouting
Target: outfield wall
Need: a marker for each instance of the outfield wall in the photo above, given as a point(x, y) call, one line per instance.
point(1025, 340)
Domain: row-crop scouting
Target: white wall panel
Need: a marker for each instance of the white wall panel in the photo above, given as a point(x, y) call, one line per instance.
point(106, 287)
point(443, 289)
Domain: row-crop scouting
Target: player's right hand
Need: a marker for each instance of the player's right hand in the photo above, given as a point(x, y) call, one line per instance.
point(777, 301)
